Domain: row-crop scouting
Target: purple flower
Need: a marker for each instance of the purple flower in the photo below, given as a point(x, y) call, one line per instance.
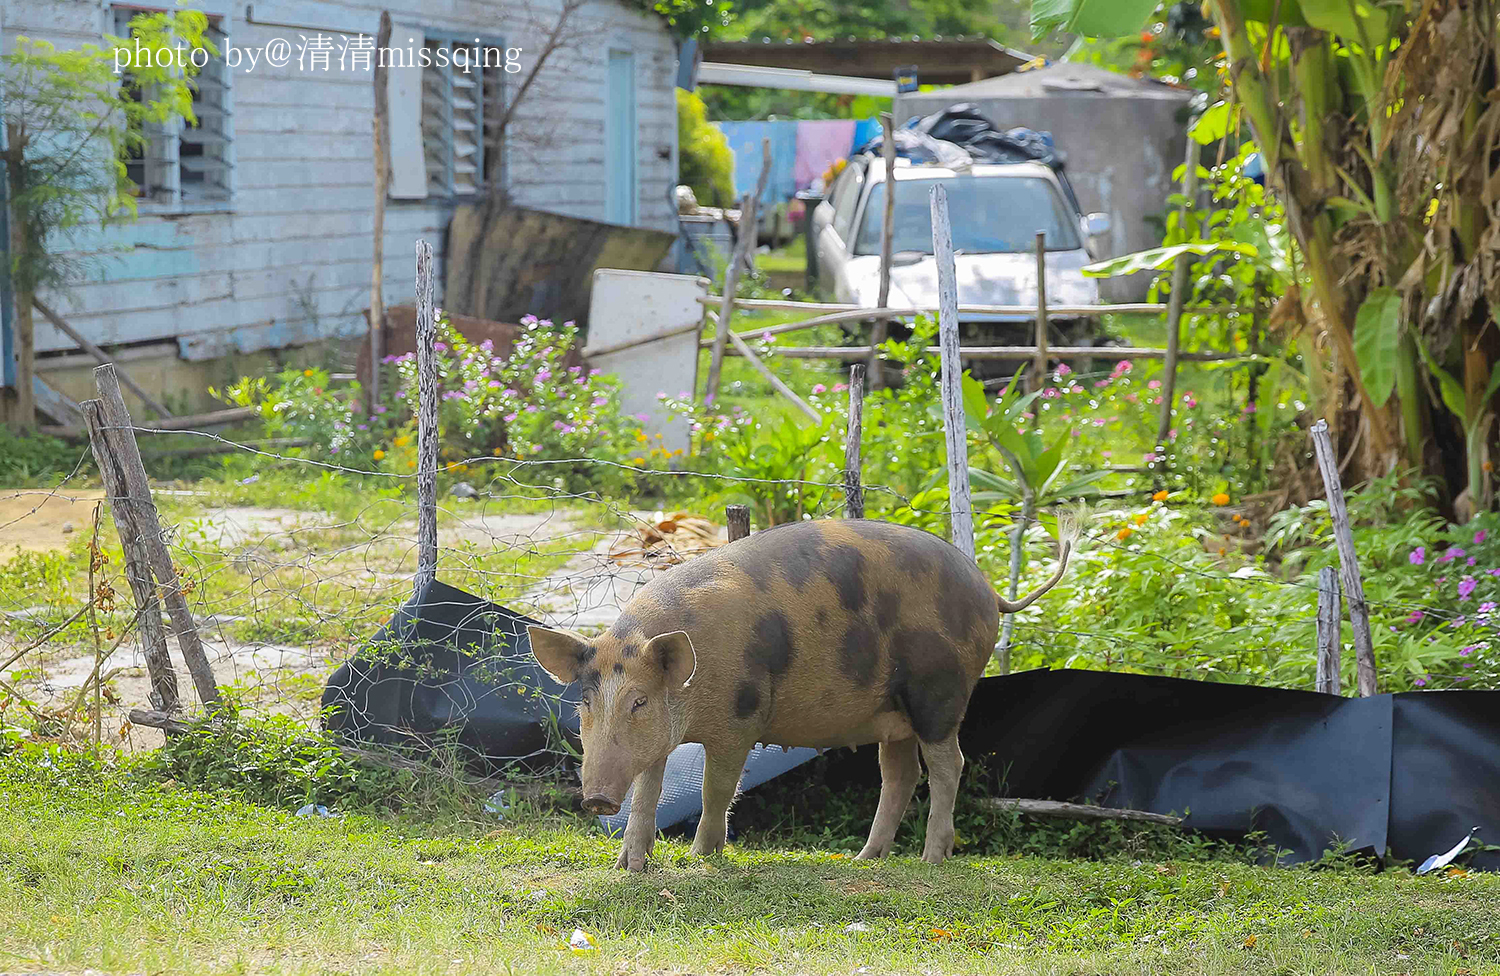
point(1418, 556)
point(439, 347)
point(510, 417)
point(643, 417)
point(1465, 652)
point(1480, 536)
point(1452, 553)
point(1420, 683)
point(600, 401)
point(543, 375)
point(1466, 587)
point(531, 408)
point(1414, 616)
point(1471, 561)
point(1485, 608)
point(596, 372)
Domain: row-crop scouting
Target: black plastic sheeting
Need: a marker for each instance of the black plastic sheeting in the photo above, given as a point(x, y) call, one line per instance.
point(926, 140)
point(1409, 774)
point(452, 670)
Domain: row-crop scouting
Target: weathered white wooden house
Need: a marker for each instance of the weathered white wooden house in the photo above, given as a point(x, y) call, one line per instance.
point(256, 225)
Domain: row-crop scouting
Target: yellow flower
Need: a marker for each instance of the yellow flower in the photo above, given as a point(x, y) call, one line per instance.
point(1124, 533)
point(1160, 496)
point(403, 440)
point(307, 372)
point(378, 455)
point(709, 435)
point(640, 436)
point(411, 464)
point(638, 461)
point(1141, 518)
point(1220, 499)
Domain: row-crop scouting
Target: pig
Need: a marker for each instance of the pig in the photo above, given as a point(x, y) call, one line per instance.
point(816, 633)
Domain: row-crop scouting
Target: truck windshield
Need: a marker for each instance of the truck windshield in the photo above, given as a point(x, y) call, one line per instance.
point(995, 214)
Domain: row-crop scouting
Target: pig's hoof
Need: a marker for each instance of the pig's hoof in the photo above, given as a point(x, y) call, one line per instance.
point(871, 852)
point(630, 860)
point(937, 854)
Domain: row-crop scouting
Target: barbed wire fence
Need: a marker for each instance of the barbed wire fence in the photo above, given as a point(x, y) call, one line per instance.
point(258, 608)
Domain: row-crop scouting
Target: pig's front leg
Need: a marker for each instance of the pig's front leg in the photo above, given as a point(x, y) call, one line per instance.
point(721, 778)
point(640, 828)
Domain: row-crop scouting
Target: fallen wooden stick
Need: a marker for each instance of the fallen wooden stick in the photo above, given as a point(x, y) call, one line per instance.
point(1078, 811)
point(62, 326)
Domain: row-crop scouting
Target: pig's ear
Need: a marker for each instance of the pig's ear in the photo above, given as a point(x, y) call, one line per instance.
point(674, 654)
point(559, 652)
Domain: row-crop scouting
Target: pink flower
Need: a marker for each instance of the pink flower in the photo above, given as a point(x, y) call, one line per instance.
point(819, 388)
point(1451, 554)
point(1466, 587)
point(840, 387)
point(1154, 385)
point(1480, 536)
point(543, 375)
point(1063, 369)
point(1415, 616)
point(1418, 556)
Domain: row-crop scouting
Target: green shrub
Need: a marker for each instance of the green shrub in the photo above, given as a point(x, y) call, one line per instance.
point(704, 160)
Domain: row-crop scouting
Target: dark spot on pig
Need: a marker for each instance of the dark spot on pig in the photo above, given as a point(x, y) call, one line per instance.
point(928, 682)
point(845, 566)
point(788, 552)
point(887, 609)
point(859, 652)
point(822, 618)
point(619, 668)
point(590, 680)
point(746, 699)
point(587, 654)
point(630, 650)
point(625, 625)
point(770, 650)
point(676, 612)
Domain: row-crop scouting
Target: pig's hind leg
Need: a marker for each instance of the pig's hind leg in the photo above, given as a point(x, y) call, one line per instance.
point(945, 764)
point(721, 779)
point(640, 828)
point(899, 771)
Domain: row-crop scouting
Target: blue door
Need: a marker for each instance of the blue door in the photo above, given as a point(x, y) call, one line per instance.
point(620, 139)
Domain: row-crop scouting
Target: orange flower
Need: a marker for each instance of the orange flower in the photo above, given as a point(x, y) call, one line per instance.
point(939, 935)
point(378, 455)
point(1160, 496)
point(1220, 499)
point(307, 372)
point(1141, 518)
point(1124, 533)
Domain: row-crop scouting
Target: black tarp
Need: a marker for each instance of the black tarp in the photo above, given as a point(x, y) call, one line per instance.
point(1411, 773)
point(450, 668)
point(1407, 773)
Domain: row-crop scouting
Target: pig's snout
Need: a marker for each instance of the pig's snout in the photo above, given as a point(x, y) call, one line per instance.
point(600, 805)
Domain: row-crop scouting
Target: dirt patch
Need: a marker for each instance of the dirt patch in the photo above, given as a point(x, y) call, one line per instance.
point(41, 520)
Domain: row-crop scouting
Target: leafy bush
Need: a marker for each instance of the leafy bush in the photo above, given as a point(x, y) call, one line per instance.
point(31, 458)
point(527, 406)
point(704, 160)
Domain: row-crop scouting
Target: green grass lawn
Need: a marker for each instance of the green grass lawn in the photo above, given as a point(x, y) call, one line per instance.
point(130, 877)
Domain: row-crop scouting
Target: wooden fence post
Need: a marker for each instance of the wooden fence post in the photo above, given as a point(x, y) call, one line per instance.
point(737, 521)
point(854, 492)
point(743, 247)
point(960, 514)
point(1354, 590)
point(1329, 626)
point(1176, 299)
point(382, 151)
point(427, 422)
point(1039, 362)
point(165, 695)
point(122, 450)
point(887, 220)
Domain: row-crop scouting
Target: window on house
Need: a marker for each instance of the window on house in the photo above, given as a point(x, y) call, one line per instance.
point(185, 164)
point(463, 97)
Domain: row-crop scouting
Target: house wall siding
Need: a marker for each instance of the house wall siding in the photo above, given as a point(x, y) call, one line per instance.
point(289, 260)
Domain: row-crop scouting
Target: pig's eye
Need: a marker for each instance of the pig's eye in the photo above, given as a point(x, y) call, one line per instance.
point(640, 703)
point(586, 703)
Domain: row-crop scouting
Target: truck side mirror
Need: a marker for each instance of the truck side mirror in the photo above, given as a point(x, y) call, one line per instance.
point(1096, 225)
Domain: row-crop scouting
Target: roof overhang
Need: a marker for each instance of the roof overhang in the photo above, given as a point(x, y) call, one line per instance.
point(791, 79)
